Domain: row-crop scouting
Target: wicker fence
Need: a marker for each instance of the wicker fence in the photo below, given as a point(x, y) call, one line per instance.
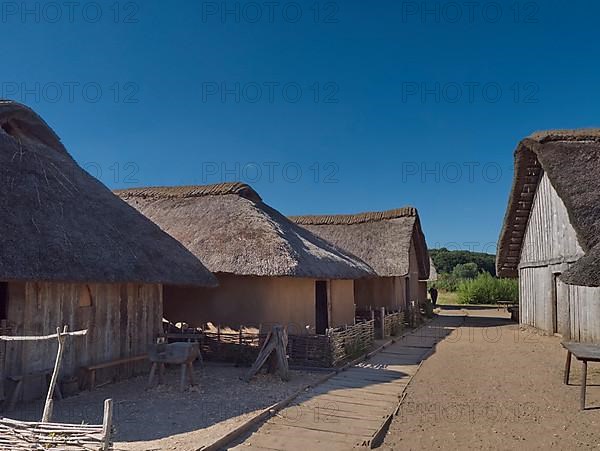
point(338, 346)
point(23, 435)
point(351, 341)
point(393, 324)
point(386, 324)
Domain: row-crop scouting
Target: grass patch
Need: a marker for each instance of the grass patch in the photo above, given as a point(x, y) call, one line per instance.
point(447, 298)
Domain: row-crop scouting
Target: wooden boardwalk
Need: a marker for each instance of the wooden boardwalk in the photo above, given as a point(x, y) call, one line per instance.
point(353, 408)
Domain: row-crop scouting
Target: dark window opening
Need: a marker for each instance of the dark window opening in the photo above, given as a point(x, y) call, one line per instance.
point(3, 300)
point(321, 307)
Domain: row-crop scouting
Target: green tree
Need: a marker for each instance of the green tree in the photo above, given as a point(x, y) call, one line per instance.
point(445, 260)
point(465, 271)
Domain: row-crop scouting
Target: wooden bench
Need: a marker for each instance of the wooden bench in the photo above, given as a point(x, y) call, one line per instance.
point(91, 370)
point(584, 352)
point(20, 380)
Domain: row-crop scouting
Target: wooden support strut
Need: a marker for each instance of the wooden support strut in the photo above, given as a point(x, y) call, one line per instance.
point(275, 343)
point(107, 425)
point(61, 347)
point(61, 336)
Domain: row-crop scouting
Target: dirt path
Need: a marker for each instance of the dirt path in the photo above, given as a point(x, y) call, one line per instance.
point(492, 385)
point(353, 408)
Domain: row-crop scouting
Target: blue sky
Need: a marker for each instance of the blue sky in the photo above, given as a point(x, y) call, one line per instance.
point(324, 107)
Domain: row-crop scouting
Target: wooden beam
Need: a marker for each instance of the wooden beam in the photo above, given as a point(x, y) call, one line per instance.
point(61, 347)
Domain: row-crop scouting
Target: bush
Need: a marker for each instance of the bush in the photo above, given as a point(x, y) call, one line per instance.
point(446, 282)
point(486, 289)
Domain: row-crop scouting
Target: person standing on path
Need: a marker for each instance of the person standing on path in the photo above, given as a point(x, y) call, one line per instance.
point(433, 292)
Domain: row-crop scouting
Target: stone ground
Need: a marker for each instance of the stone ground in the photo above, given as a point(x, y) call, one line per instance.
point(493, 385)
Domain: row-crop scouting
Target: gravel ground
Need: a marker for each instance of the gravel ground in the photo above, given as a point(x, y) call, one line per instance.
point(164, 418)
point(492, 385)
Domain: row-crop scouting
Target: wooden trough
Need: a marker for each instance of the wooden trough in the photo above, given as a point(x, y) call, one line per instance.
point(183, 354)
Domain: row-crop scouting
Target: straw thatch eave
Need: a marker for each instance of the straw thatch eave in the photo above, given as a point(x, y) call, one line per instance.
point(433, 274)
point(61, 224)
point(382, 239)
point(571, 160)
point(233, 231)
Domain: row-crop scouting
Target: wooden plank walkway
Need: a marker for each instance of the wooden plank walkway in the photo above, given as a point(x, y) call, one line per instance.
point(353, 408)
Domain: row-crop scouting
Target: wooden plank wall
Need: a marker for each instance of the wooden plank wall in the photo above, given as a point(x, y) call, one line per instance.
point(121, 321)
point(585, 313)
point(535, 291)
point(549, 247)
point(549, 234)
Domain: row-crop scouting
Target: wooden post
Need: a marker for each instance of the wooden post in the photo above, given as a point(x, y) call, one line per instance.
point(241, 353)
point(567, 368)
point(4, 330)
point(48, 406)
point(219, 339)
point(107, 425)
point(182, 379)
point(382, 322)
point(583, 382)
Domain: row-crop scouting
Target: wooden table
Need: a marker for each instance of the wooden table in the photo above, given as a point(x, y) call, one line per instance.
point(584, 352)
point(506, 304)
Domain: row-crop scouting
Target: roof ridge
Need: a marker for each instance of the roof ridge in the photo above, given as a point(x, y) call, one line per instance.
point(190, 191)
point(576, 134)
point(357, 218)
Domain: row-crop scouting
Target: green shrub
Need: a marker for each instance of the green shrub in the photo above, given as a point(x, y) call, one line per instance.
point(446, 282)
point(487, 289)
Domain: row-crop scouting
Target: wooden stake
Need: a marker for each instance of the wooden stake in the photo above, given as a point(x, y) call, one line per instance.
point(3, 328)
point(48, 406)
point(107, 424)
point(276, 342)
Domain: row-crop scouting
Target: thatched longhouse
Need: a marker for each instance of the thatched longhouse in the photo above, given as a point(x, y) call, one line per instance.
point(391, 242)
point(72, 253)
point(269, 269)
point(551, 233)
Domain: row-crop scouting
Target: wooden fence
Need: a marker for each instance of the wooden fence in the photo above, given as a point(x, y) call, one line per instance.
point(332, 349)
point(393, 324)
point(351, 341)
point(23, 435)
point(386, 324)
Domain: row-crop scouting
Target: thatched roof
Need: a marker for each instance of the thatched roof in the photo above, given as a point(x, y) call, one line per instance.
point(61, 224)
point(232, 230)
point(571, 160)
point(382, 239)
point(433, 275)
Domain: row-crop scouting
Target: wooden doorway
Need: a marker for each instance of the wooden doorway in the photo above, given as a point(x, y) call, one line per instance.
point(321, 307)
point(561, 308)
point(554, 305)
point(407, 291)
